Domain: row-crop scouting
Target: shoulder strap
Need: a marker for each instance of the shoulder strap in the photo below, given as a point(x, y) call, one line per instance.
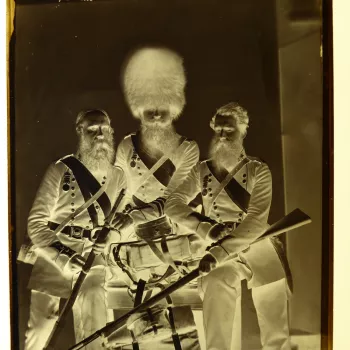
point(159, 163)
point(225, 182)
point(88, 186)
point(79, 210)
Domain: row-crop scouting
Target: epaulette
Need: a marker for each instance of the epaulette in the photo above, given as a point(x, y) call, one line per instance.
point(60, 159)
point(256, 159)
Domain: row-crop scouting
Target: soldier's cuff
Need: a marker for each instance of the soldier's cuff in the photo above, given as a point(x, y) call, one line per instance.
point(203, 229)
point(64, 254)
point(219, 253)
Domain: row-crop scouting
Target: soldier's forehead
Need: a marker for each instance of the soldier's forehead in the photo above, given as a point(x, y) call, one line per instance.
point(95, 118)
point(224, 119)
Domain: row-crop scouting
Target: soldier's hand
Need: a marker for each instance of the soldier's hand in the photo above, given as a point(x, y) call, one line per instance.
point(207, 264)
point(217, 232)
point(75, 263)
point(121, 221)
point(100, 246)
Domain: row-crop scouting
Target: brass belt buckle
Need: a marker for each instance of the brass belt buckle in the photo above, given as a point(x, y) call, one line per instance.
point(76, 232)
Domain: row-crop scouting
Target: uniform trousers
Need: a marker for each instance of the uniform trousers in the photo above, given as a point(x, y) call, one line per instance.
point(220, 291)
point(90, 312)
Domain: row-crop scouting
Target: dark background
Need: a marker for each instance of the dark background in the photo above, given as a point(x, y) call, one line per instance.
point(68, 57)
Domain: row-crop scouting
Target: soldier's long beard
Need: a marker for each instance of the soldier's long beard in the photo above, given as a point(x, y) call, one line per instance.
point(157, 138)
point(225, 153)
point(97, 155)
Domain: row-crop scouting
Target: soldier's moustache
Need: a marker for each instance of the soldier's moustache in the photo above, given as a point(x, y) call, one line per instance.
point(225, 153)
point(98, 153)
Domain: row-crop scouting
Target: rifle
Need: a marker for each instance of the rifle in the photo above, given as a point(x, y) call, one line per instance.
point(293, 220)
point(101, 236)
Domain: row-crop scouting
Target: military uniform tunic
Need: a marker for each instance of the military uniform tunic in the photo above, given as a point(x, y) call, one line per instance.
point(135, 162)
point(58, 197)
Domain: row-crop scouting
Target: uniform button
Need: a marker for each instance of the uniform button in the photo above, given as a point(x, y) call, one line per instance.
point(244, 181)
point(140, 174)
point(138, 167)
point(215, 207)
point(204, 192)
point(211, 195)
point(210, 175)
point(72, 203)
point(218, 215)
point(73, 210)
point(162, 189)
point(214, 203)
point(133, 164)
point(244, 175)
point(73, 194)
point(239, 219)
point(209, 180)
point(73, 179)
point(90, 221)
point(72, 188)
point(142, 186)
point(220, 221)
point(103, 182)
point(240, 214)
point(87, 226)
point(105, 177)
point(97, 207)
point(209, 189)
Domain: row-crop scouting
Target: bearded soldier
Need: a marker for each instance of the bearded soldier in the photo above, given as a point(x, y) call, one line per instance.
point(154, 82)
point(156, 160)
point(236, 191)
point(67, 185)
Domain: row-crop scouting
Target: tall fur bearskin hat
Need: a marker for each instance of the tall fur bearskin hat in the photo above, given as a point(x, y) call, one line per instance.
point(154, 77)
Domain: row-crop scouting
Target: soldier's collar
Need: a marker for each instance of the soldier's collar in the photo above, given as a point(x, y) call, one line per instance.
point(242, 155)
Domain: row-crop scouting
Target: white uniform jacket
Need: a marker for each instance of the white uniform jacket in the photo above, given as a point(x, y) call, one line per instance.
point(58, 197)
point(266, 260)
point(149, 196)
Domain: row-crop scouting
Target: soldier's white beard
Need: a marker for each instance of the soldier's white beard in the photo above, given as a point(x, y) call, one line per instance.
point(225, 153)
point(97, 155)
point(158, 138)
